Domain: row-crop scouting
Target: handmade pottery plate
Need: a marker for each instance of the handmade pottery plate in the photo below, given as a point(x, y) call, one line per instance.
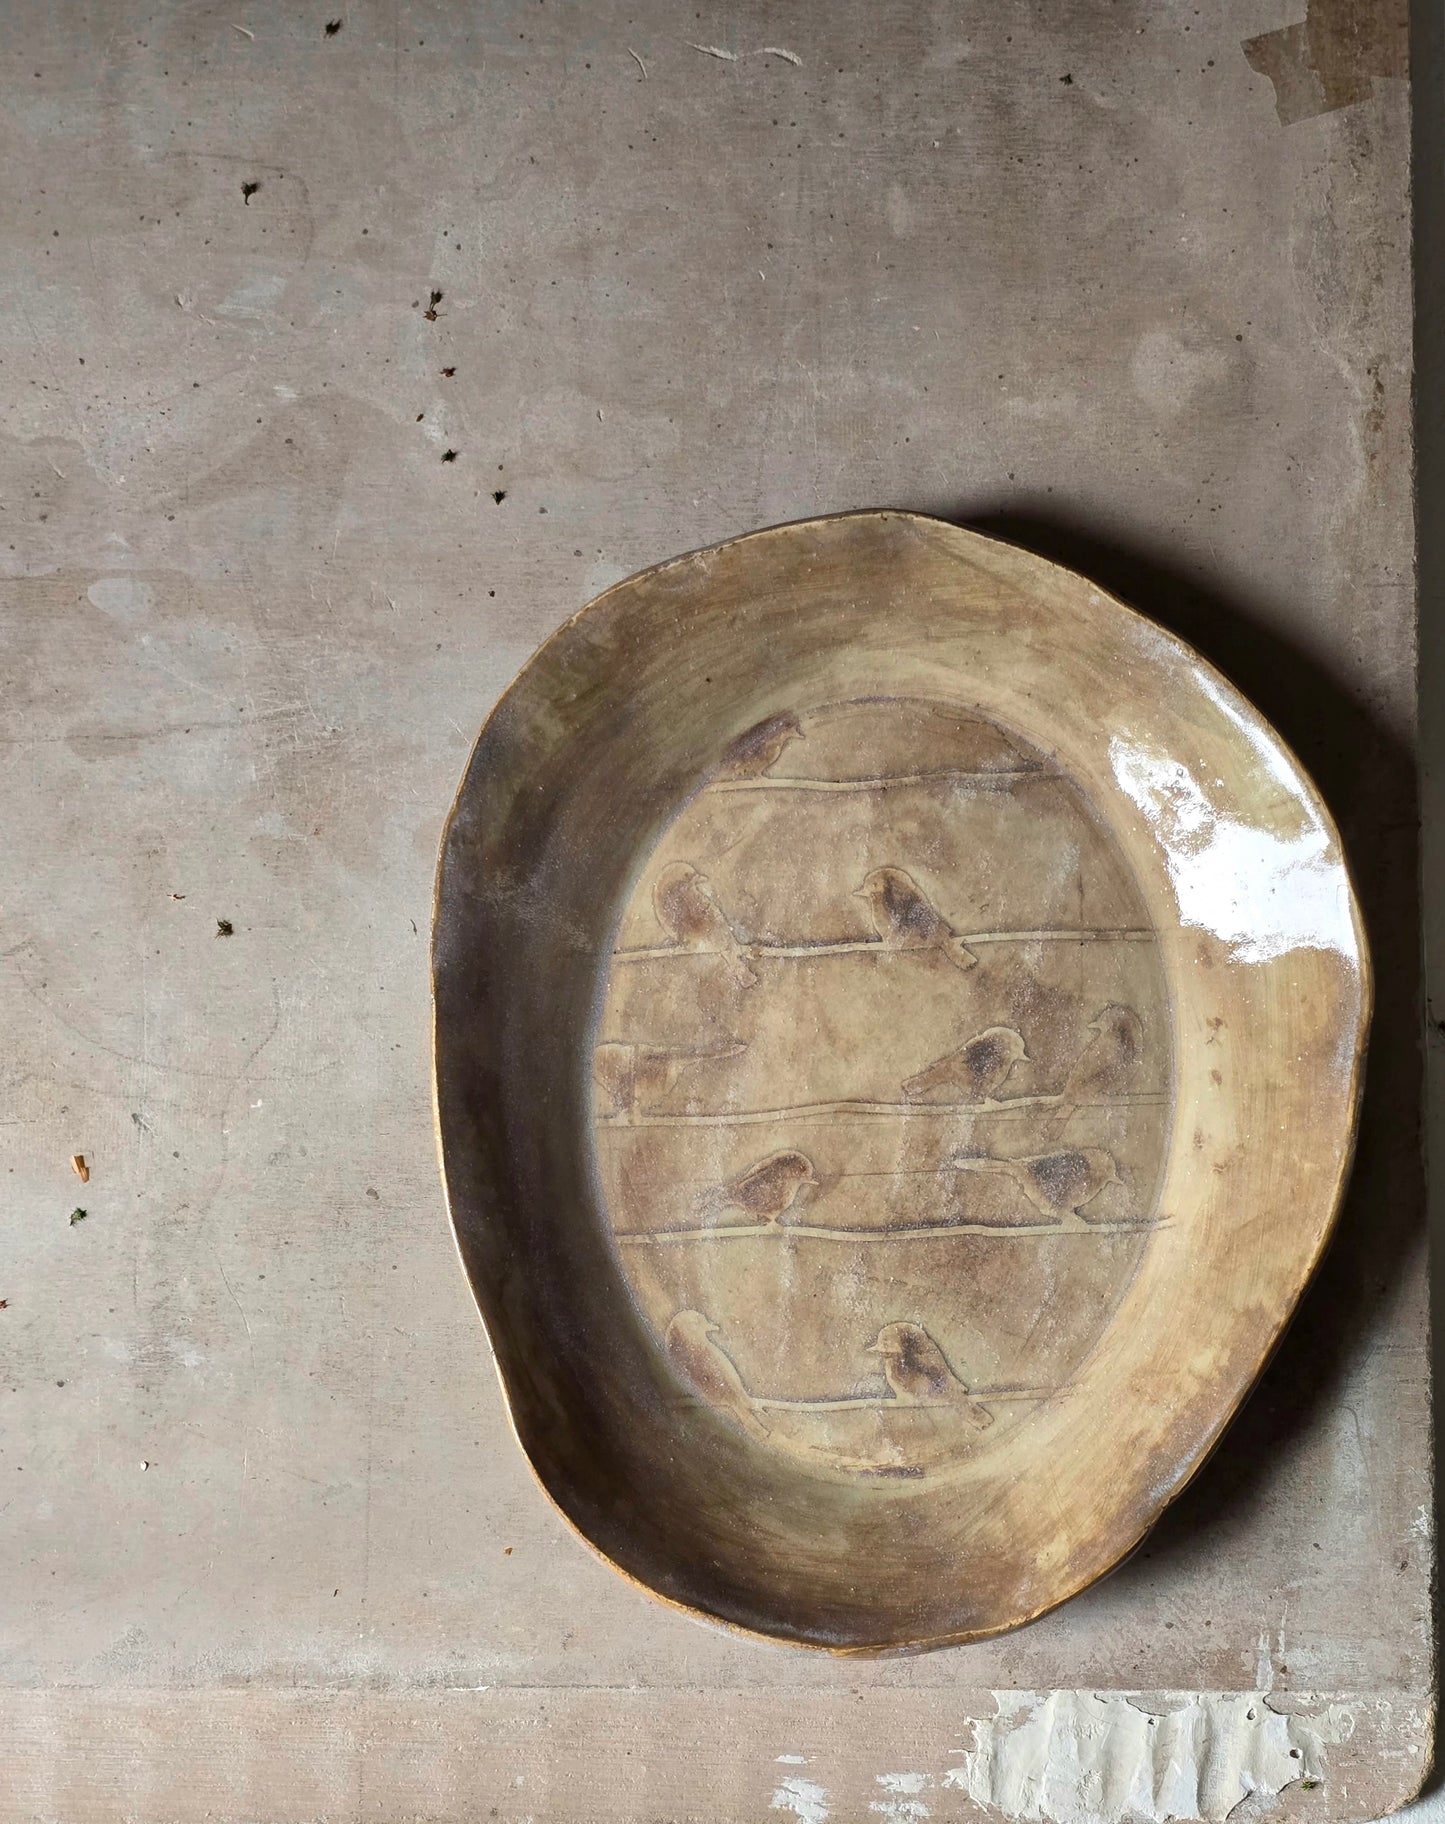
point(899, 1023)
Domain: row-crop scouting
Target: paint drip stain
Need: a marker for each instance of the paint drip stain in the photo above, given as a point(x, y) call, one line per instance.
point(802, 1799)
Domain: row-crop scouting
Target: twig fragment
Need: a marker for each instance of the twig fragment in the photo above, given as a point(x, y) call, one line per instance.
point(763, 50)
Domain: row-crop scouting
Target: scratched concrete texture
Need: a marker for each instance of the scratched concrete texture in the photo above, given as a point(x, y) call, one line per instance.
point(338, 367)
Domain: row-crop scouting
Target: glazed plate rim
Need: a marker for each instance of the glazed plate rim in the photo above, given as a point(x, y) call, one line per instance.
point(693, 570)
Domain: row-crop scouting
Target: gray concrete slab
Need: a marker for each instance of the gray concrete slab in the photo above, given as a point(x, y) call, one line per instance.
point(1128, 283)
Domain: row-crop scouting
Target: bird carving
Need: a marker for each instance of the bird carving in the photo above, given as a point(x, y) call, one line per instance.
point(765, 1191)
point(756, 752)
point(974, 1073)
point(906, 919)
point(1106, 1065)
point(687, 909)
point(635, 1077)
point(1056, 1184)
point(709, 1369)
point(917, 1371)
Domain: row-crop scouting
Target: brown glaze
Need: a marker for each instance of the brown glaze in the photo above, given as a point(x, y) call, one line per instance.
point(874, 974)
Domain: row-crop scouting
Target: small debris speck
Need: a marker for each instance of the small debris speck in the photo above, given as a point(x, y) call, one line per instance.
point(4, 1304)
point(499, 495)
point(224, 928)
point(248, 191)
point(79, 1167)
point(447, 372)
point(449, 455)
point(78, 1216)
point(333, 26)
point(430, 313)
point(1067, 80)
point(145, 1462)
point(507, 1551)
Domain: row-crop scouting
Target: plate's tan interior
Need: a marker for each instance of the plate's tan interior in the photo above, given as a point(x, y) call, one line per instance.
point(898, 1025)
point(881, 1145)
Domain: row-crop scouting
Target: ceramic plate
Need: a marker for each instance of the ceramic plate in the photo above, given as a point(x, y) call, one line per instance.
point(899, 1019)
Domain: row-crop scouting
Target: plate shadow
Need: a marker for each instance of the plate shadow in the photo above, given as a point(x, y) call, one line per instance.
point(1366, 774)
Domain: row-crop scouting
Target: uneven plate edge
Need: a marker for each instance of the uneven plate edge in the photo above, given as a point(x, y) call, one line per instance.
point(950, 534)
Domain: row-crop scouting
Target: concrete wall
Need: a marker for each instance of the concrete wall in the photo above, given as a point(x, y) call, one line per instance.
point(1128, 283)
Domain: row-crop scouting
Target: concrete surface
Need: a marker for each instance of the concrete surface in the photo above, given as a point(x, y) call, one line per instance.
point(1129, 283)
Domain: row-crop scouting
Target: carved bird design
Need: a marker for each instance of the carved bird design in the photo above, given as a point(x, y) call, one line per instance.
point(1056, 1184)
point(765, 1191)
point(755, 752)
point(638, 1076)
point(1106, 1065)
point(709, 1368)
point(974, 1073)
point(687, 909)
point(906, 919)
point(917, 1371)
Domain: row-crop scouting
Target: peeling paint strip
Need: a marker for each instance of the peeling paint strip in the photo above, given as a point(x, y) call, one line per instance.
point(1084, 1757)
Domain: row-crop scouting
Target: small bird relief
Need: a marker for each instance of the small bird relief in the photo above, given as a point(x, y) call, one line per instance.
point(916, 1419)
point(881, 1085)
